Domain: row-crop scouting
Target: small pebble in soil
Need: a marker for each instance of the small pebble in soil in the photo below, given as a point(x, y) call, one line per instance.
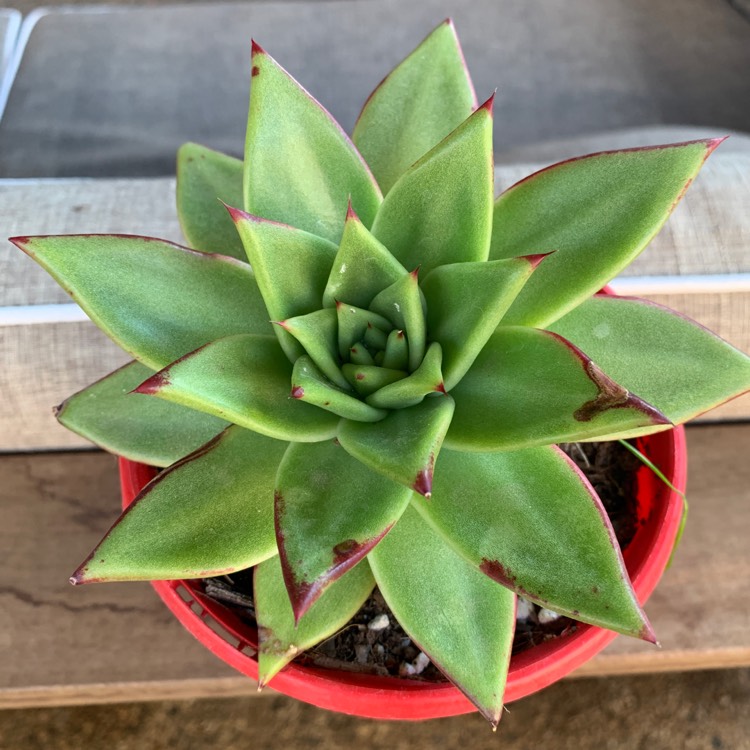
point(380, 622)
point(416, 667)
point(546, 616)
point(525, 610)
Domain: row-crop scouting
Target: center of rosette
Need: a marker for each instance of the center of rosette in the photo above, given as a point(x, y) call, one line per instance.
point(361, 362)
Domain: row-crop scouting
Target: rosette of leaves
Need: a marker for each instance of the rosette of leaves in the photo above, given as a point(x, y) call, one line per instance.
point(359, 372)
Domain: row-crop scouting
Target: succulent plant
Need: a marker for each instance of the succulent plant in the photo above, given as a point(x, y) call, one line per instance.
point(376, 397)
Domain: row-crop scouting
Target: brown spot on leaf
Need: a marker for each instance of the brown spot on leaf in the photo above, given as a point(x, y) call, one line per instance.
point(498, 572)
point(255, 71)
point(610, 396)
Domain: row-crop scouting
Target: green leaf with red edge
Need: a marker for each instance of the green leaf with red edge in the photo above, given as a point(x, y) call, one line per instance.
point(291, 267)
point(440, 210)
point(209, 514)
point(410, 391)
point(362, 267)
point(331, 510)
point(142, 429)
point(404, 446)
point(244, 379)
point(463, 621)
point(530, 387)
point(279, 638)
point(674, 363)
point(310, 385)
point(465, 304)
point(530, 520)
point(300, 167)
point(205, 179)
point(418, 104)
point(155, 299)
point(597, 212)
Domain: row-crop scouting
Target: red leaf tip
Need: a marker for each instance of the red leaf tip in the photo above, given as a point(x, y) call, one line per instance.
point(256, 48)
point(297, 391)
point(20, 242)
point(237, 214)
point(713, 143)
point(647, 633)
point(536, 258)
point(423, 482)
point(415, 273)
point(440, 388)
point(488, 105)
point(153, 385)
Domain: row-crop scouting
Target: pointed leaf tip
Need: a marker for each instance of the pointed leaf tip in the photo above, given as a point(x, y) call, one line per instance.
point(488, 105)
point(536, 258)
point(297, 391)
point(153, 385)
point(20, 242)
point(647, 633)
point(256, 48)
point(236, 214)
point(423, 482)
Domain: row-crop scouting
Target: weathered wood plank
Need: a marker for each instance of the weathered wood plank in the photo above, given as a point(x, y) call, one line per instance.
point(110, 643)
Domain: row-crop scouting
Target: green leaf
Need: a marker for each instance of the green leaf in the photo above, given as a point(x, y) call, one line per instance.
point(531, 521)
point(460, 618)
point(404, 446)
point(410, 391)
point(291, 267)
point(465, 304)
point(331, 510)
point(597, 212)
point(300, 167)
point(674, 363)
point(367, 379)
point(440, 210)
point(317, 332)
point(142, 429)
point(418, 104)
point(206, 179)
point(402, 304)
point(245, 380)
point(530, 387)
point(311, 386)
point(396, 352)
point(362, 267)
point(155, 299)
point(209, 514)
point(279, 639)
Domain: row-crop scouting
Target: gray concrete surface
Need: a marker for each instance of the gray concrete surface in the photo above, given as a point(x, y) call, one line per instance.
point(698, 711)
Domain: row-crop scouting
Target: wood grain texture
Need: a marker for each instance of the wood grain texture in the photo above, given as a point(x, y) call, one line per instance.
point(117, 642)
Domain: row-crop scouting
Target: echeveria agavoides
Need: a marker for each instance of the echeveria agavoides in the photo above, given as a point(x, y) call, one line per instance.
point(397, 360)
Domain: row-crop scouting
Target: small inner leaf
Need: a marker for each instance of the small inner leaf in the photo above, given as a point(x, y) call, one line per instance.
point(427, 378)
point(353, 324)
point(396, 354)
point(310, 385)
point(367, 379)
point(403, 305)
point(318, 334)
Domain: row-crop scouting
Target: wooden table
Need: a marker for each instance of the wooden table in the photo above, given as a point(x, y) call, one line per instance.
point(117, 642)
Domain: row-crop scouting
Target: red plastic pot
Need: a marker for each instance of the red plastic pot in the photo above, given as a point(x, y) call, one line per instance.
point(217, 628)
